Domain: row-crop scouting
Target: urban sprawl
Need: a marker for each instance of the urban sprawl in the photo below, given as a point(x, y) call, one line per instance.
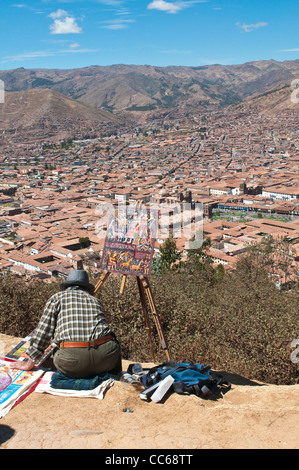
point(242, 169)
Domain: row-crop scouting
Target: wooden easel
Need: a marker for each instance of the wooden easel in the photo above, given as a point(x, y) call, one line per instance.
point(144, 291)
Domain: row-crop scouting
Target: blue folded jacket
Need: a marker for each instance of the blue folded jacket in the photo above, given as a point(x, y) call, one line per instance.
point(60, 380)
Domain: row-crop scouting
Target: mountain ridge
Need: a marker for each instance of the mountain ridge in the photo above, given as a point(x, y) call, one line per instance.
point(48, 104)
point(121, 88)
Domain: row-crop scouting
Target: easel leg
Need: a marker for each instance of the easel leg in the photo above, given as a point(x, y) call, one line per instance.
point(123, 284)
point(146, 288)
point(103, 277)
point(146, 317)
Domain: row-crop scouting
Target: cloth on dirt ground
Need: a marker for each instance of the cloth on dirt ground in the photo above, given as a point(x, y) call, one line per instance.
point(61, 381)
point(44, 386)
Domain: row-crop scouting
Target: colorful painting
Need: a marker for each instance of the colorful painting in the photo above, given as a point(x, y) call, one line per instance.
point(5, 380)
point(130, 240)
point(19, 351)
point(14, 385)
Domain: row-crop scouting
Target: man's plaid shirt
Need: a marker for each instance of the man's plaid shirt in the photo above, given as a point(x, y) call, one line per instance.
point(70, 315)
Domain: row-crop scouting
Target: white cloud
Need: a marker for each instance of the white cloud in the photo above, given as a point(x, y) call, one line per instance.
point(58, 14)
point(111, 2)
point(77, 51)
point(40, 54)
point(63, 23)
point(28, 7)
point(26, 56)
point(247, 28)
point(170, 7)
point(116, 24)
point(165, 6)
point(290, 50)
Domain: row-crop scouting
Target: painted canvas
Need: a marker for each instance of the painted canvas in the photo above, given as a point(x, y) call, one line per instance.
point(129, 242)
point(18, 352)
point(15, 384)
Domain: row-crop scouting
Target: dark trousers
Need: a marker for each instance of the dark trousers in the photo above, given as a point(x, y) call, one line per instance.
point(89, 362)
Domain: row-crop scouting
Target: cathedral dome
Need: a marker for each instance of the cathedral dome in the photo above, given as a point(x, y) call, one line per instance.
point(163, 192)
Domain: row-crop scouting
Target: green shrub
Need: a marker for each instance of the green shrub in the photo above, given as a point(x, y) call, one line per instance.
point(238, 323)
point(235, 321)
point(21, 303)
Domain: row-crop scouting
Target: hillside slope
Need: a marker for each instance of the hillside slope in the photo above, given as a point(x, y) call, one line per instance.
point(249, 416)
point(284, 98)
point(39, 114)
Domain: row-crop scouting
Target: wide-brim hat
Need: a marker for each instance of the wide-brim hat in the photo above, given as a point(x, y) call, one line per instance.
point(78, 277)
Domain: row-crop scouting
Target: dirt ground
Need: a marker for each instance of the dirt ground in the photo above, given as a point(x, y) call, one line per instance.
point(249, 416)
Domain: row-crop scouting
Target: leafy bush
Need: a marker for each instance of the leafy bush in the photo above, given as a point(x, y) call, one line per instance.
point(236, 321)
point(22, 303)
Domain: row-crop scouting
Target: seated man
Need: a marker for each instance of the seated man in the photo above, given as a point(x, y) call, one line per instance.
point(75, 320)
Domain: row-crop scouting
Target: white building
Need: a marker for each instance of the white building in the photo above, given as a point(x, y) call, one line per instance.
point(284, 193)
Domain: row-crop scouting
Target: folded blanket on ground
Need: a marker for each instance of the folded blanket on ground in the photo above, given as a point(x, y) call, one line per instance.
point(98, 392)
point(61, 381)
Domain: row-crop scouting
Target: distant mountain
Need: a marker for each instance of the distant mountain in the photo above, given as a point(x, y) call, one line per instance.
point(41, 114)
point(122, 88)
point(44, 104)
point(284, 98)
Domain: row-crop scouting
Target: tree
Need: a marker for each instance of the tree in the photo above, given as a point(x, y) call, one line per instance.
point(198, 255)
point(169, 254)
point(66, 143)
point(84, 242)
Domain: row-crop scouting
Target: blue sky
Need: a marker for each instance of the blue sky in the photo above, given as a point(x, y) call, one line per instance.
point(75, 33)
